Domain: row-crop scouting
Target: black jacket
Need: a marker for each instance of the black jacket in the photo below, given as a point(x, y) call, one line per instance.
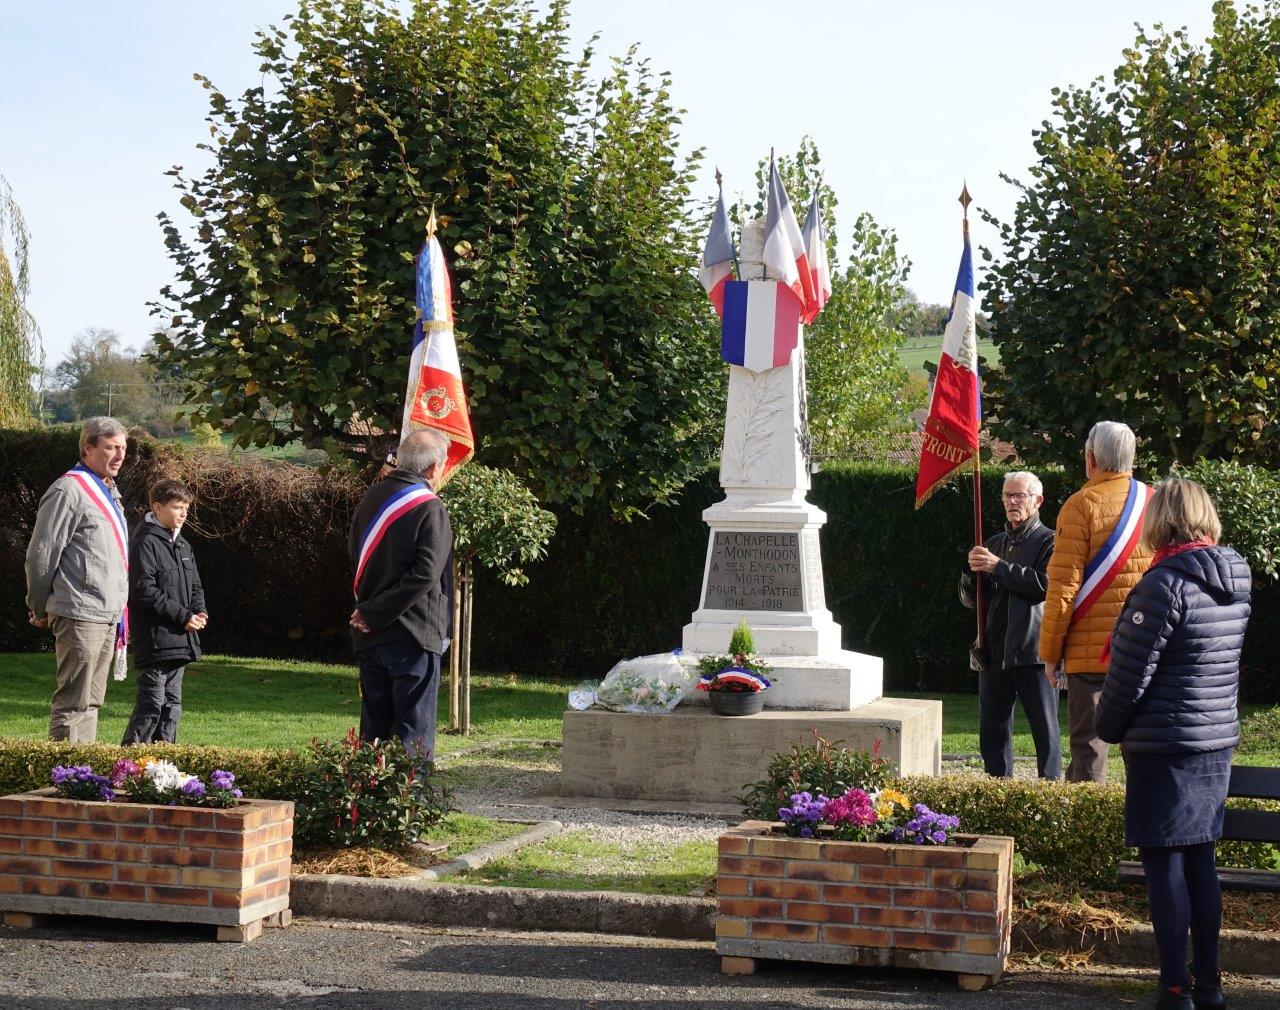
point(407, 587)
point(1175, 657)
point(1014, 594)
point(164, 592)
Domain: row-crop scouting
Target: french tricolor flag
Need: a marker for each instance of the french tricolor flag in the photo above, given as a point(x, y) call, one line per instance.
point(815, 245)
point(718, 255)
point(784, 252)
point(761, 324)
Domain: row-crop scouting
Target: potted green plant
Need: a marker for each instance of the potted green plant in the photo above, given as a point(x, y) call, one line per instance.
point(735, 683)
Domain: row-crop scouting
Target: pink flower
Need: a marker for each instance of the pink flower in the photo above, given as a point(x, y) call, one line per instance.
point(853, 808)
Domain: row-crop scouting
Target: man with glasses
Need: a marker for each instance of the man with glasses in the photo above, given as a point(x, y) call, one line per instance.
point(1013, 566)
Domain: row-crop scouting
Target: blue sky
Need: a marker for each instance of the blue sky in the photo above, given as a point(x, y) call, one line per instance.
point(905, 100)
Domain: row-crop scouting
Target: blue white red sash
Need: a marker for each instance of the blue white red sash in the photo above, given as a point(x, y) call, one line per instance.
point(96, 488)
point(1110, 561)
point(399, 504)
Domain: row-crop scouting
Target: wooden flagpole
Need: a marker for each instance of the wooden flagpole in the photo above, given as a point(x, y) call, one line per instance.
point(980, 601)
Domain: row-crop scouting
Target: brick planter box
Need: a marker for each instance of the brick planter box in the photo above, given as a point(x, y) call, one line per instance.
point(945, 908)
point(228, 868)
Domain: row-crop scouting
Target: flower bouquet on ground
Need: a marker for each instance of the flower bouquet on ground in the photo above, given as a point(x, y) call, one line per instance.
point(735, 683)
point(859, 816)
point(147, 781)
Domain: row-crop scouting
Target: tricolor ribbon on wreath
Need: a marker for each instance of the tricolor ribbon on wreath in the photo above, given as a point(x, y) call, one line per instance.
point(100, 494)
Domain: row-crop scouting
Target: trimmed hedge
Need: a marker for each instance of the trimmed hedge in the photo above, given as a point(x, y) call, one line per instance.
point(1074, 833)
point(271, 543)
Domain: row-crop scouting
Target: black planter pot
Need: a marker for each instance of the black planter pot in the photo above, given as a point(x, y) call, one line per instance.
point(736, 702)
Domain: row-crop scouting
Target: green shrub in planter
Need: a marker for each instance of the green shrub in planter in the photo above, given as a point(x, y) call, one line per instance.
point(359, 793)
point(827, 768)
point(395, 799)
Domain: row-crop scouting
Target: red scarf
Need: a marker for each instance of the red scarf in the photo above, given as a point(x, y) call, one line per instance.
point(1163, 554)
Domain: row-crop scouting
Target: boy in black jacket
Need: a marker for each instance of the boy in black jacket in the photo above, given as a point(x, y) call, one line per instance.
point(166, 613)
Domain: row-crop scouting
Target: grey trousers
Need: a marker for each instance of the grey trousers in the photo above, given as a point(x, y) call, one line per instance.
point(1088, 753)
point(84, 651)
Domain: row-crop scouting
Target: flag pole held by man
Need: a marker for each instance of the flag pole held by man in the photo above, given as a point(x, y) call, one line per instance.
point(401, 540)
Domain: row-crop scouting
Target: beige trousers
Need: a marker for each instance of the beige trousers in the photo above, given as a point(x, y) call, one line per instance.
point(84, 651)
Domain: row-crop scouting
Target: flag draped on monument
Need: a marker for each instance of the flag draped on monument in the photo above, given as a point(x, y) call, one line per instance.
point(784, 250)
point(955, 409)
point(718, 255)
point(435, 397)
point(760, 325)
point(815, 245)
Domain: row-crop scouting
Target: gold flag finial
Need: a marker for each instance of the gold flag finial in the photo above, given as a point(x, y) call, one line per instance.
point(965, 198)
point(719, 178)
point(431, 223)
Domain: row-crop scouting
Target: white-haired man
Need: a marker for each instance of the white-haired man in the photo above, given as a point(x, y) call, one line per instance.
point(402, 552)
point(77, 577)
point(1013, 566)
point(1097, 558)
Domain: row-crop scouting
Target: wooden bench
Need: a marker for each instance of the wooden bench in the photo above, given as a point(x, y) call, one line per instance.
point(1239, 826)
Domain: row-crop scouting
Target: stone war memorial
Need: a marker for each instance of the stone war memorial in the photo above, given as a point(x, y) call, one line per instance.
point(763, 564)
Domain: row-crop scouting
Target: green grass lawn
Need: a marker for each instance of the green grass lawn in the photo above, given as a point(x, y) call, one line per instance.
point(914, 354)
point(234, 702)
point(574, 861)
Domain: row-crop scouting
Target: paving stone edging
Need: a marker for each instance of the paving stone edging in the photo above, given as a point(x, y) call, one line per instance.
point(411, 900)
point(478, 857)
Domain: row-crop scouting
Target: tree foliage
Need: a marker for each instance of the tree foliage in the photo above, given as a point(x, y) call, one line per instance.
point(99, 375)
point(496, 521)
point(857, 391)
point(1139, 282)
point(20, 354)
point(563, 209)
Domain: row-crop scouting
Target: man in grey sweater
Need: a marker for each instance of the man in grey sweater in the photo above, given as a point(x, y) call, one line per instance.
point(77, 578)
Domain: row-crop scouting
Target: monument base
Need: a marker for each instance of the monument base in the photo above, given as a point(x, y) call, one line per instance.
point(837, 682)
point(694, 755)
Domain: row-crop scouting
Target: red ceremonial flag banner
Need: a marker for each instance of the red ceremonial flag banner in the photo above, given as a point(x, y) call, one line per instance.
point(951, 431)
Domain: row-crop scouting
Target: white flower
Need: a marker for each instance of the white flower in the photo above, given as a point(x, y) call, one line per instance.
point(166, 776)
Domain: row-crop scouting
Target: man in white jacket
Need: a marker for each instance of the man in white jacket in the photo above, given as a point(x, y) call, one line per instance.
point(77, 577)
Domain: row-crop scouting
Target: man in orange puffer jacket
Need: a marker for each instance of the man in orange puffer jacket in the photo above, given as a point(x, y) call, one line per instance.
point(1085, 522)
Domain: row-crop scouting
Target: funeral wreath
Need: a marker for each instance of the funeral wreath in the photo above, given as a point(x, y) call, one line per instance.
point(735, 683)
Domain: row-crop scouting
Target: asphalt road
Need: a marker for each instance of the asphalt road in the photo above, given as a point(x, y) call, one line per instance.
point(315, 965)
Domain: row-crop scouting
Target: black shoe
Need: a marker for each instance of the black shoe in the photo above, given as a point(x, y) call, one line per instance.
point(1170, 1000)
point(1206, 994)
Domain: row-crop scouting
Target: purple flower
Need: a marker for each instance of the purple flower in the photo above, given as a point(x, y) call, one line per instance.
point(106, 792)
point(237, 793)
point(222, 780)
point(193, 788)
point(806, 832)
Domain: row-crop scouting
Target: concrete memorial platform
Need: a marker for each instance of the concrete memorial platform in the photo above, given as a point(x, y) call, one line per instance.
point(763, 564)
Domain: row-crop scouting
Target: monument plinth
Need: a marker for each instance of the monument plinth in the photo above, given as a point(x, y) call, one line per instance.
point(763, 564)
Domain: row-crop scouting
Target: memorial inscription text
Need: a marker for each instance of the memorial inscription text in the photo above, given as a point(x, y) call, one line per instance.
point(754, 571)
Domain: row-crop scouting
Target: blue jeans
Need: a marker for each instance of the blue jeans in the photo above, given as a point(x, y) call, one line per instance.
point(398, 684)
point(998, 690)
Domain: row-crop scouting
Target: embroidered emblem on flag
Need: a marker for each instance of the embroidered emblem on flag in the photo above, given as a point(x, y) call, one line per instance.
point(761, 325)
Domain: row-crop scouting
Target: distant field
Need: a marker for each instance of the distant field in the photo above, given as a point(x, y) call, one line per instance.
point(915, 353)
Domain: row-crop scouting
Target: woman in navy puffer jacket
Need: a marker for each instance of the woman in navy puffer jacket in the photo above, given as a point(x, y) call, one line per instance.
point(1169, 700)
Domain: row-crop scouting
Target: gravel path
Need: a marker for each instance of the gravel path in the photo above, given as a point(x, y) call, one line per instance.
point(519, 781)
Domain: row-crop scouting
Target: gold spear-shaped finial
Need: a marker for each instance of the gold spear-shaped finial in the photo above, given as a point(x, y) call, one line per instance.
point(431, 223)
point(965, 200)
point(719, 178)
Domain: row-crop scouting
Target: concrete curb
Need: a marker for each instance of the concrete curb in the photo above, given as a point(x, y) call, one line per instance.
point(476, 858)
point(1241, 951)
point(407, 899)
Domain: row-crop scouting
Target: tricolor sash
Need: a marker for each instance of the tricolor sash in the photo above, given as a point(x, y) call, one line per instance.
point(399, 504)
point(1110, 561)
point(96, 488)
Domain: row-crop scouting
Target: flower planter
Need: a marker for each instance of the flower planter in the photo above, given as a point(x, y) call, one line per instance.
point(225, 867)
point(736, 702)
point(944, 908)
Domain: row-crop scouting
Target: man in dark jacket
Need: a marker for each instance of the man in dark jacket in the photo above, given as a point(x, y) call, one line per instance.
point(166, 606)
point(1013, 566)
point(401, 547)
